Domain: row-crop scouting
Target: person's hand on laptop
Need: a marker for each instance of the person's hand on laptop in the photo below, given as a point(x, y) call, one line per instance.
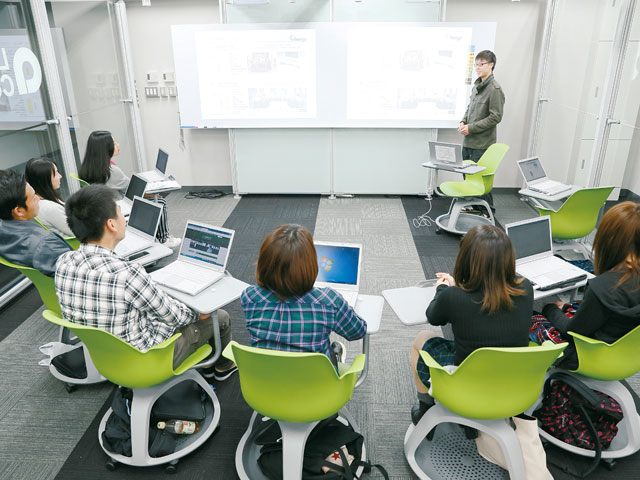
point(445, 279)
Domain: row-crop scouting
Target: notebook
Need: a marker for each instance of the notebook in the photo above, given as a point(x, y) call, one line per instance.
point(339, 268)
point(136, 188)
point(142, 227)
point(535, 261)
point(536, 178)
point(159, 174)
point(202, 259)
point(448, 156)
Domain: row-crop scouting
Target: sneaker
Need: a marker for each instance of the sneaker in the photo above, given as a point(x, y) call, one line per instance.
point(222, 376)
point(173, 242)
point(339, 350)
point(419, 409)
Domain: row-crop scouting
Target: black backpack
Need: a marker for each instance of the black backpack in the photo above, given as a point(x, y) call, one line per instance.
point(325, 439)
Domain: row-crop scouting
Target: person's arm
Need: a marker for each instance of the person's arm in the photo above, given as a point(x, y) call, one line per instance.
point(590, 316)
point(118, 179)
point(47, 253)
point(146, 297)
point(496, 106)
point(348, 324)
point(438, 311)
point(55, 216)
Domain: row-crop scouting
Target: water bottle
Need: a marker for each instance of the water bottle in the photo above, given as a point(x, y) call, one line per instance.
point(180, 427)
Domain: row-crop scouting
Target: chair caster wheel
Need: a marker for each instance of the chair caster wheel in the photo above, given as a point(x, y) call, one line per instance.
point(171, 469)
point(438, 231)
point(610, 463)
point(70, 387)
point(111, 465)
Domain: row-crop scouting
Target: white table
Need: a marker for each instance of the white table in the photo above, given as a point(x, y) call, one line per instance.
point(433, 174)
point(152, 254)
point(369, 308)
point(550, 202)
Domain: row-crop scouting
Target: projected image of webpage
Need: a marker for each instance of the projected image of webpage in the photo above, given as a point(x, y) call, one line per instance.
point(337, 264)
point(206, 244)
point(257, 74)
point(411, 73)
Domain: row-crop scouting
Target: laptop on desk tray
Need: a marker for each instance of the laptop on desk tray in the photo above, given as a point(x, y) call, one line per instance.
point(142, 227)
point(448, 156)
point(136, 188)
point(339, 268)
point(537, 180)
point(202, 260)
point(159, 173)
point(535, 261)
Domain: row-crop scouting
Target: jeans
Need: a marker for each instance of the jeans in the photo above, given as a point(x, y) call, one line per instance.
point(475, 154)
point(197, 334)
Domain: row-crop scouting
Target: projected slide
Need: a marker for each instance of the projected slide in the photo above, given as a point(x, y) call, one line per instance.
point(257, 74)
point(408, 73)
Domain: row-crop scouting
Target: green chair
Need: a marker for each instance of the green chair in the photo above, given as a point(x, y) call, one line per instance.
point(467, 193)
point(75, 176)
point(296, 389)
point(149, 374)
point(45, 285)
point(489, 386)
point(577, 217)
point(601, 366)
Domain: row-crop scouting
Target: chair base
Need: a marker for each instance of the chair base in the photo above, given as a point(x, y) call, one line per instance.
point(460, 223)
point(247, 452)
point(143, 400)
point(627, 440)
point(451, 455)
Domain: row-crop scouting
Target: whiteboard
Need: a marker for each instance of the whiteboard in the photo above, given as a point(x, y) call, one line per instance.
point(332, 75)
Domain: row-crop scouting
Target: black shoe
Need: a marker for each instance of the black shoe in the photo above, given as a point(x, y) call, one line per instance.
point(418, 411)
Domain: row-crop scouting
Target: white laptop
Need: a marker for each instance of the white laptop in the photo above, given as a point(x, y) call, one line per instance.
point(535, 261)
point(339, 268)
point(142, 227)
point(159, 174)
point(536, 178)
point(448, 156)
point(136, 188)
point(202, 259)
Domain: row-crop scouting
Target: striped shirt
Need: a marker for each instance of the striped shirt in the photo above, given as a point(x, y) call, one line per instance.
point(98, 288)
point(299, 324)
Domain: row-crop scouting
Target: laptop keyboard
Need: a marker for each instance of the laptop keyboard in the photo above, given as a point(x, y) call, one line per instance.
point(549, 187)
point(162, 185)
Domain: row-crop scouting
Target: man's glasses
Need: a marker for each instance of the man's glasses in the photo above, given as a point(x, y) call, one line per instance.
point(481, 64)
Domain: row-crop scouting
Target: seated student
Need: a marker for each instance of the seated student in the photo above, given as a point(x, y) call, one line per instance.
point(98, 167)
point(97, 287)
point(486, 303)
point(42, 174)
point(611, 304)
point(22, 240)
point(285, 311)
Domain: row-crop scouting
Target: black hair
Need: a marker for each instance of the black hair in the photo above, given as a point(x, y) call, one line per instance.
point(487, 56)
point(38, 173)
point(13, 193)
point(96, 165)
point(89, 209)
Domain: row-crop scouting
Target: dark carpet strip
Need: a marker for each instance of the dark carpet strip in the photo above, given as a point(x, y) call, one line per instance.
point(438, 254)
point(18, 310)
point(252, 219)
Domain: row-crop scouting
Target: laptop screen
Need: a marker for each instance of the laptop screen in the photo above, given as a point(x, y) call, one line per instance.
point(530, 238)
point(445, 152)
point(161, 162)
point(206, 244)
point(531, 169)
point(144, 216)
point(136, 188)
point(338, 264)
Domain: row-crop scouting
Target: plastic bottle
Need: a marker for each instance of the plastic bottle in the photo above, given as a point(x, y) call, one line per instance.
point(180, 427)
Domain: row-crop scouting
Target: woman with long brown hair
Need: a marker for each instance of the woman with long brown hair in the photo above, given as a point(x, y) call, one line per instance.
point(485, 301)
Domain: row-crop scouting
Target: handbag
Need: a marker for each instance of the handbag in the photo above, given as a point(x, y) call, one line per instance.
point(533, 454)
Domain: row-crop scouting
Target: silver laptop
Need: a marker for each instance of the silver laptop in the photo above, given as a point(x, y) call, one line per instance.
point(202, 259)
point(536, 178)
point(339, 268)
point(142, 227)
point(159, 174)
point(448, 156)
point(535, 261)
point(136, 188)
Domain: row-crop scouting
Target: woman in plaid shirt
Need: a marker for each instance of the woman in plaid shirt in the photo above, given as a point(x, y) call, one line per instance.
point(285, 311)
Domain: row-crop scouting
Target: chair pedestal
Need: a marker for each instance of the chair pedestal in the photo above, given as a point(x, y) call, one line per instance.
point(460, 223)
point(141, 405)
point(451, 455)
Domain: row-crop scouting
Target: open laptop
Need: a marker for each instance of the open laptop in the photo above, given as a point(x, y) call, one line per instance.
point(448, 156)
point(535, 261)
point(142, 227)
point(159, 174)
point(202, 259)
point(536, 178)
point(339, 268)
point(136, 188)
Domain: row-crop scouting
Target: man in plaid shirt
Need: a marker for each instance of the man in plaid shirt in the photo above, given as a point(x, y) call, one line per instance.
point(98, 288)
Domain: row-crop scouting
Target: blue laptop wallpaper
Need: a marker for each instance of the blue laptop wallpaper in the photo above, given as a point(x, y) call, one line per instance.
point(337, 264)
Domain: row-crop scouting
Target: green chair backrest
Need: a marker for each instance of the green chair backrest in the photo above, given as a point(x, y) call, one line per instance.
point(83, 183)
point(72, 241)
point(45, 285)
point(608, 362)
point(491, 159)
point(493, 383)
point(578, 215)
point(124, 364)
point(292, 386)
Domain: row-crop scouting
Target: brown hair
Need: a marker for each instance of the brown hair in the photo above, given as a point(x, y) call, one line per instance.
point(487, 262)
point(617, 240)
point(287, 264)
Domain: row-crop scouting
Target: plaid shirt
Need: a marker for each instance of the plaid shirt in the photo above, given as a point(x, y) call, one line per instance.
point(98, 288)
point(300, 324)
